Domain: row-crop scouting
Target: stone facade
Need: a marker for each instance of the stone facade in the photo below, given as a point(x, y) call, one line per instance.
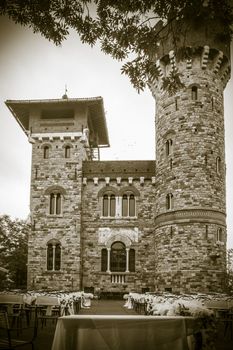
point(175, 235)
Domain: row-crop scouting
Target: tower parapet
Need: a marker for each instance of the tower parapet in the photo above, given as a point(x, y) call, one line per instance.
point(190, 154)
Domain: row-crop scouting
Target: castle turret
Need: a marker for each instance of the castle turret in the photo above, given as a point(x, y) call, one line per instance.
point(190, 224)
point(63, 133)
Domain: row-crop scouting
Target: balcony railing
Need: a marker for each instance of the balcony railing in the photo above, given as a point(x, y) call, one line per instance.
point(116, 278)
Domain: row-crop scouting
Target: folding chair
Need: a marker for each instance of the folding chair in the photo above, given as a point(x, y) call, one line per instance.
point(220, 307)
point(229, 320)
point(7, 342)
point(13, 304)
point(47, 308)
point(223, 314)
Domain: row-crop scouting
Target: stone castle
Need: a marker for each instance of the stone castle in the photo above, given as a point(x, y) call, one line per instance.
point(120, 226)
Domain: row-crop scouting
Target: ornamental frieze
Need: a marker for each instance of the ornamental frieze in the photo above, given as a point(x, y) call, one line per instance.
point(190, 216)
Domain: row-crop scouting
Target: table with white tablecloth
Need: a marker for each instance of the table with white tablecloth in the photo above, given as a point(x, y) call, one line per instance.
point(123, 332)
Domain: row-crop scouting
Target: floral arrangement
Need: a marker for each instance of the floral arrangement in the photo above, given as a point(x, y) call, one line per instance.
point(67, 300)
point(190, 305)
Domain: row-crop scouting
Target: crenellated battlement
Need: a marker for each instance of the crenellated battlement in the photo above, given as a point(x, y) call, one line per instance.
point(201, 61)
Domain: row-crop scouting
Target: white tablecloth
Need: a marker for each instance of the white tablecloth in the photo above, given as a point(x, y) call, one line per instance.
point(118, 332)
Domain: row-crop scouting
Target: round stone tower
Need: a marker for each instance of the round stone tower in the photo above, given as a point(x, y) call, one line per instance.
point(190, 224)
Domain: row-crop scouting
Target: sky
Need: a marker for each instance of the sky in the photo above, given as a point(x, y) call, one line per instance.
point(31, 67)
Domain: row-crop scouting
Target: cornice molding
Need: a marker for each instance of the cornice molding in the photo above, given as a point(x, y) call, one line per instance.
point(191, 216)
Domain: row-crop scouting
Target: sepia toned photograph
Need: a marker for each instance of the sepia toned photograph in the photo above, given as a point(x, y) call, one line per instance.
point(116, 168)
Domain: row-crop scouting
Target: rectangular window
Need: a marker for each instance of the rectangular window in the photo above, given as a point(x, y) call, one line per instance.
point(132, 260)
point(131, 205)
point(125, 205)
point(104, 260)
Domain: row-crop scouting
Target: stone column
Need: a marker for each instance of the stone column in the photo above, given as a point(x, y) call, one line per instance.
point(108, 259)
point(127, 260)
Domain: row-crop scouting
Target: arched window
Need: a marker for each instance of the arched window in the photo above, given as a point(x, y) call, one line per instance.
point(67, 151)
point(128, 205)
point(218, 165)
point(132, 260)
point(105, 205)
point(169, 147)
point(109, 205)
point(194, 93)
point(55, 204)
point(104, 259)
point(112, 205)
point(53, 256)
point(124, 205)
point(46, 152)
point(118, 257)
point(169, 201)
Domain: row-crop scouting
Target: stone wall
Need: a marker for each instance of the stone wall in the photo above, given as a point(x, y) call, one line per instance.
point(97, 231)
point(56, 173)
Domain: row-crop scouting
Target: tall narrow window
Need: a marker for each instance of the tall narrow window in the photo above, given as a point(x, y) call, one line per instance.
point(206, 231)
point(131, 205)
point(112, 205)
point(171, 163)
point(218, 165)
point(52, 204)
point(219, 235)
point(49, 257)
point(57, 263)
point(194, 93)
point(53, 256)
point(132, 260)
point(58, 204)
point(212, 103)
point(55, 204)
point(169, 145)
point(105, 205)
point(128, 205)
point(67, 152)
point(124, 205)
point(46, 152)
point(104, 258)
point(118, 257)
point(109, 205)
point(169, 201)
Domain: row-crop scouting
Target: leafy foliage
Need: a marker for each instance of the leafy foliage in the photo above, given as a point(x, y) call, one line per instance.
point(172, 82)
point(13, 251)
point(124, 28)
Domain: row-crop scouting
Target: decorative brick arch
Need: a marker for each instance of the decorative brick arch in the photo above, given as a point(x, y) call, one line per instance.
point(67, 144)
point(106, 190)
point(55, 189)
point(46, 144)
point(53, 241)
point(118, 238)
point(130, 189)
point(169, 134)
